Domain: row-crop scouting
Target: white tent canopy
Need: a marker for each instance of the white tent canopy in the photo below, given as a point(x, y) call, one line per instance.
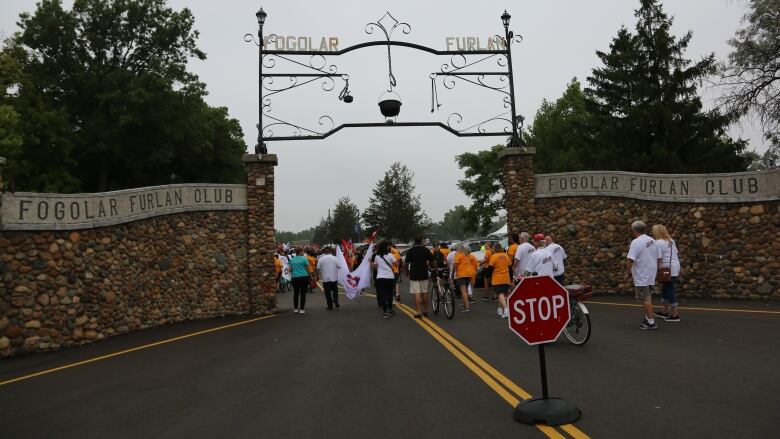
point(500, 232)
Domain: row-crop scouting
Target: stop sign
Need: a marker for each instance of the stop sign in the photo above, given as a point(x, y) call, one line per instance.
point(538, 309)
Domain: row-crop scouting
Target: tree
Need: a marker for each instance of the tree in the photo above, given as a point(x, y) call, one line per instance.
point(559, 133)
point(105, 100)
point(345, 215)
point(10, 134)
point(322, 231)
point(647, 114)
point(454, 224)
point(483, 184)
point(394, 208)
point(303, 235)
point(752, 75)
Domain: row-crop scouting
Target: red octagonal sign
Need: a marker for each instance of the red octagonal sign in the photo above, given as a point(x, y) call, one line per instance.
point(538, 309)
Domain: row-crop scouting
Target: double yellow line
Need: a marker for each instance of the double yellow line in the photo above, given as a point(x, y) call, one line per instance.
point(507, 389)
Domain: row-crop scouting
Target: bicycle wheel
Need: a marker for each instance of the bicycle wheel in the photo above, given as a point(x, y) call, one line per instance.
point(449, 303)
point(435, 299)
point(578, 328)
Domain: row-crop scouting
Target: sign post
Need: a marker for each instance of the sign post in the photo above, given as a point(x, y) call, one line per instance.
point(538, 312)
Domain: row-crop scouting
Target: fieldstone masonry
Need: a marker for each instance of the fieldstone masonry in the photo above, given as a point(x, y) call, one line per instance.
point(62, 288)
point(261, 275)
point(728, 250)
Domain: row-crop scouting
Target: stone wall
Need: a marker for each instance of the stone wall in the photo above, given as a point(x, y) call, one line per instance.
point(727, 250)
point(62, 288)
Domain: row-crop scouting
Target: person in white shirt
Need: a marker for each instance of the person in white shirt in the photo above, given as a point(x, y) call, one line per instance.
point(559, 254)
point(670, 258)
point(385, 277)
point(328, 266)
point(541, 259)
point(522, 264)
point(644, 259)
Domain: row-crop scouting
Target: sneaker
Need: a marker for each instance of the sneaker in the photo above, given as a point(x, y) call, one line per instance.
point(462, 309)
point(337, 304)
point(660, 314)
point(301, 312)
point(295, 311)
point(472, 300)
point(425, 314)
point(418, 316)
point(385, 315)
point(646, 325)
point(673, 319)
point(506, 314)
point(397, 297)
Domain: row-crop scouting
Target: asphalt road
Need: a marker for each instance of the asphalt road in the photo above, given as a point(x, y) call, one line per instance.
point(347, 373)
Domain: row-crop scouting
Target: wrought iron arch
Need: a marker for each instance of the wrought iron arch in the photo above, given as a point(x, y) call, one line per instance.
point(317, 69)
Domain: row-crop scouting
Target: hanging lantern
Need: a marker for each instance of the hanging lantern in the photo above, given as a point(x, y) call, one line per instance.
point(390, 104)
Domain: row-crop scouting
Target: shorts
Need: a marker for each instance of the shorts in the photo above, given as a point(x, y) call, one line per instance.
point(501, 289)
point(418, 286)
point(644, 292)
point(462, 281)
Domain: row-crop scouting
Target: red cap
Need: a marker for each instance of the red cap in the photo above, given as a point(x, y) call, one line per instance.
point(539, 237)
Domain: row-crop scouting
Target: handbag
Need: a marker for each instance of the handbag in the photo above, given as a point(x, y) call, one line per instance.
point(665, 273)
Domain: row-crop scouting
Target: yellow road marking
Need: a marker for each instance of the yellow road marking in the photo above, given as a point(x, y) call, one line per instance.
point(450, 342)
point(511, 400)
point(127, 351)
point(691, 308)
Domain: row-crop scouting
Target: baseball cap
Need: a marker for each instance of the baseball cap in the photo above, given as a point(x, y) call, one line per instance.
point(539, 237)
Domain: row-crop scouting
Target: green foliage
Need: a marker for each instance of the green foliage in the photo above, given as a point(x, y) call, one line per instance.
point(345, 215)
point(646, 113)
point(453, 225)
point(559, 133)
point(105, 100)
point(483, 185)
point(752, 75)
point(394, 208)
point(304, 235)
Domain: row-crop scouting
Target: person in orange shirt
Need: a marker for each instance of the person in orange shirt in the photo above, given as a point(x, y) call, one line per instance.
point(500, 279)
point(514, 241)
point(312, 268)
point(396, 272)
point(485, 264)
point(277, 266)
point(465, 265)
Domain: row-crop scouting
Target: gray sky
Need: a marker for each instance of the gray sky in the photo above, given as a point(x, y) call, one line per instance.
point(560, 40)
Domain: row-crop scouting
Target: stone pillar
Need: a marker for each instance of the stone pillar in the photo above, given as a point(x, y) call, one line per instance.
point(519, 186)
point(261, 275)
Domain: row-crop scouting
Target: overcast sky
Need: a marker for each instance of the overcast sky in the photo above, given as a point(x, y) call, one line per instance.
point(560, 40)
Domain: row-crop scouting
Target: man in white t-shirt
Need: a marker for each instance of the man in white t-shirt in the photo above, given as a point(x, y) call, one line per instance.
point(644, 258)
point(559, 254)
point(328, 266)
point(522, 263)
point(541, 258)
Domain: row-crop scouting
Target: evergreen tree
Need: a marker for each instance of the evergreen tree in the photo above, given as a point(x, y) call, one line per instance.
point(646, 110)
point(345, 215)
point(394, 208)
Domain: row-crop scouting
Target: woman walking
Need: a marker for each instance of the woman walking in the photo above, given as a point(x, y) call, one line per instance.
point(385, 277)
point(501, 280)
point(465, 270)
point(300, 280)
point(670, 258)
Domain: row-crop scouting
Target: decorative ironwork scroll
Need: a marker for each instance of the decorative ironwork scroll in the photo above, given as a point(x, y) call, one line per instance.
point(487, 69)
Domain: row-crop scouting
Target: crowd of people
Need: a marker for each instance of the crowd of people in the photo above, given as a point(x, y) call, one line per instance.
point(502, 268)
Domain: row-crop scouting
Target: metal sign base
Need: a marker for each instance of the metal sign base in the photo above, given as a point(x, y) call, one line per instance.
point(551, 411)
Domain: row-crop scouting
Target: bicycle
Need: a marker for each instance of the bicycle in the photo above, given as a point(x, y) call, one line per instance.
point(283, 286)
point(441, 292)
point(578, 329)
